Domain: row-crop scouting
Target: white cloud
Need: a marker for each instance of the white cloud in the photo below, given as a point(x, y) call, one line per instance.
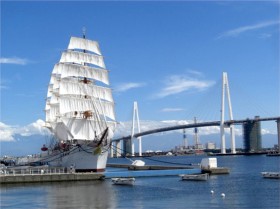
point(237, 31)
point(172, 109)
point(176, 84)
point(265, 36)
point(266, 131)
point(127, 86)
point(15, 60)
point(8, 132)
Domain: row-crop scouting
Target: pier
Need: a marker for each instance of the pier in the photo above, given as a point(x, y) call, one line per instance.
point(148, 167)
point(40, 175)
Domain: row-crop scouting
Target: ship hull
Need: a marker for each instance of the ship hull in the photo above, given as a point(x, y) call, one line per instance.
point(80, 159)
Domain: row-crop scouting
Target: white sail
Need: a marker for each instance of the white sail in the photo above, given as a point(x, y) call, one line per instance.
point(54, 113)
point(62, 131)
point(69, 70)
point(50, 88)
point(84, 44)
point(80, 88)
point(81, 58)
point(83, 129)
point(54, 82)
point(74, 91)
point(54, 99)
point(70, 104)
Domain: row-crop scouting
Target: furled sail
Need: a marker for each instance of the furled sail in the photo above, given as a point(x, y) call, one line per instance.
point(79, 103)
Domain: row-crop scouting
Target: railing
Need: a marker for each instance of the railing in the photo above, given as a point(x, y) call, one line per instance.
point(35, 171)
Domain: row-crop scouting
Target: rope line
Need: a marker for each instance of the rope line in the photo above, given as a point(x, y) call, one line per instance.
point(148, 158)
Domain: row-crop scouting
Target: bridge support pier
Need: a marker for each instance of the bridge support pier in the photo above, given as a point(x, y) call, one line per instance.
point(118, 148)
point(135, 116)
point(278, 134)
point(112, 150)
point(225, 91)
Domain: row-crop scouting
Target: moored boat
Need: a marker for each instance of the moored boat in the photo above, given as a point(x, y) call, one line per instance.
point(271, 175)
point(273, 154)
point(123, 181)
point(80, 109)
point(195, 177)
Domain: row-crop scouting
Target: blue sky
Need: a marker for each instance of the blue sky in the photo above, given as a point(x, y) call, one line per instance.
point(167, 56)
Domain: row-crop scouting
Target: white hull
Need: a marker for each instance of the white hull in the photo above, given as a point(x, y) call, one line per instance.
point(82, 159)
point(123, 181)
point(271, 175)
point(195, 177)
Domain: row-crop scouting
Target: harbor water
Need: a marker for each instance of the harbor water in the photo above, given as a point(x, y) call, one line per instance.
point(244, 187)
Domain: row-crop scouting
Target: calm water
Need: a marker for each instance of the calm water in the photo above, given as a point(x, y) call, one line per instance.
point(244, 188)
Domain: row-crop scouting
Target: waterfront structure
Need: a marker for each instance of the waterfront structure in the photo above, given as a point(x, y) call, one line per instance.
point(80, 108)
point(252, 135)
point(210, 145)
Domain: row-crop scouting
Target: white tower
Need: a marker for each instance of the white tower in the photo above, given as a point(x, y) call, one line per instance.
point(225, 90)
point(135, 116)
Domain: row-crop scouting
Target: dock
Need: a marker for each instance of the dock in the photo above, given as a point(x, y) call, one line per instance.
point(148, 167)
point(150, 170)
point(43, 174)
point(150, 173)
point(218, 170)
point(36, 178)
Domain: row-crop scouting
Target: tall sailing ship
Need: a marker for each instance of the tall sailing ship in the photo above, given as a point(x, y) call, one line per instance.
point(80, 109)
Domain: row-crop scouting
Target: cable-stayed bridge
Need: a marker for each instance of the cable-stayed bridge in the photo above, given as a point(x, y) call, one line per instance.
point(221, 123)
point(201, 124)
point(196, 125)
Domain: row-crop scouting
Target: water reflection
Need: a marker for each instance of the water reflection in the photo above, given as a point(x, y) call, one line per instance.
point(86, 194)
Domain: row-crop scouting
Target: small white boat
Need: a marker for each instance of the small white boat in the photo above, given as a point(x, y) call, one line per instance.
point(138, 163)
point(123, 181)
point(271, 175)
point(195, 177)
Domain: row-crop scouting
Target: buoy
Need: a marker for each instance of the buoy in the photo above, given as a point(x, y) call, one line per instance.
point(212, 192)
point(223, 195)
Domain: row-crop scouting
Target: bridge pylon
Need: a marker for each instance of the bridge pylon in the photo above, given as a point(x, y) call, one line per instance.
point(225, 92)
point(135, 116)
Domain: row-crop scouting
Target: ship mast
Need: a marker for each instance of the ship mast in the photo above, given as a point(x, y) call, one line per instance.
point(84, 32)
